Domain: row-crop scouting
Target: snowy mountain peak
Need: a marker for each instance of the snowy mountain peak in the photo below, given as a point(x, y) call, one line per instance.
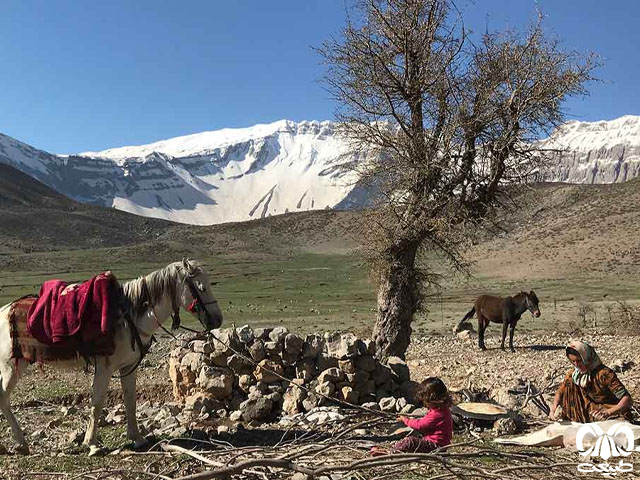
point(205, 142)
point(585, 136)
point(238, 174)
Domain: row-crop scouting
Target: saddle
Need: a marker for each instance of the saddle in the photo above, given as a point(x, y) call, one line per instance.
point(66, 321)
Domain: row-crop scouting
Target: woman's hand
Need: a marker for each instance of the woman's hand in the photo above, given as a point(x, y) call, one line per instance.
point(602, 414)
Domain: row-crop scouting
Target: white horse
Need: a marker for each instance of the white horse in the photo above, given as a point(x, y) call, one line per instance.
point(149, 302)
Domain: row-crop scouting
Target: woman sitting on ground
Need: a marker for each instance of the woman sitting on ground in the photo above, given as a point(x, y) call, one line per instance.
point(435, 428)
point(590, 391)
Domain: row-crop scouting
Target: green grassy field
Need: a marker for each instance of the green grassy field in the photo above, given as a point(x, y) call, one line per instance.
point(310, 292)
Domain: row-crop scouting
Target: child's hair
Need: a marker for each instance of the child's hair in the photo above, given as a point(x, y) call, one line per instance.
point(432, 392)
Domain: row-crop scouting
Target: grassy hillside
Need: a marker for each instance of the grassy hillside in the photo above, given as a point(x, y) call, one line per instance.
point(576, 245)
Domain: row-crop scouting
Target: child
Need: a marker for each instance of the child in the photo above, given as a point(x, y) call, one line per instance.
point(435, 428)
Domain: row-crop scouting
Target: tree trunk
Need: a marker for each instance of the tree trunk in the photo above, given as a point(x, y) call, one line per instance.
point(398, 300)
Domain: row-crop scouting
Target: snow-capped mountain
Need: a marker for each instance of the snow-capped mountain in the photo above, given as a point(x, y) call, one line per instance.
point(211, 177)
point(247, 173)
point(595, 152)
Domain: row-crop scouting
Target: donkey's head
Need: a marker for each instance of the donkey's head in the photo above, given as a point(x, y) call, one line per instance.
point(197, 296)
point(531, 302)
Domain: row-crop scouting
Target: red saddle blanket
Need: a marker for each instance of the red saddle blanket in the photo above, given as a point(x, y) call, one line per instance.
point(76, 317)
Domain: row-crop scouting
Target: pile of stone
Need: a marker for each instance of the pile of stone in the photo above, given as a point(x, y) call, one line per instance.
point(263, 374)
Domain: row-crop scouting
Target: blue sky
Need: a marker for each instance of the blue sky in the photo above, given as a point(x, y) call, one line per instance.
point(90, 75)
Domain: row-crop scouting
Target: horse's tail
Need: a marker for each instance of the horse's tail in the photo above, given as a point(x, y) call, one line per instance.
point(469, 314)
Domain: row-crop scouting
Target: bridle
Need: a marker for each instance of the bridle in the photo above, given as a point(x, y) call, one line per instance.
point(197, 305)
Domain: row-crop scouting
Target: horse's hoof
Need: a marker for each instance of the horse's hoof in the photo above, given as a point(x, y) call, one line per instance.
point(95, 450)
point(22, 449)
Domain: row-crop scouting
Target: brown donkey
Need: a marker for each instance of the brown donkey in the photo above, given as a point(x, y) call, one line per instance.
point(502, 310)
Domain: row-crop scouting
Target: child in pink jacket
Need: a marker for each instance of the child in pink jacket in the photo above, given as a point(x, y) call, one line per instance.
point(435, 428)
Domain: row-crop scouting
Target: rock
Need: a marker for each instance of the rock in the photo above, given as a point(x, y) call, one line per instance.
point(293, 344)
point(258, 409)
point(225, 338)
point(366, 363)
point(359, 378)
point(322, 415)
point(382, 374)
point(215, 381)
point(245, 381)
point(347, 366)
point(306, 369)
point(502, 396)
point(399, 368)
point(201, 346)
point(293, 398)
point(278, 334)
point(262, 333)
point(349, 395)
point(301, 476)
point(504, 426)
point(219, 358)
point(268, 371)
point(272, 348)
point(387, 404)
point(323, 362)
point(408, 390)
point(275, 397)
point(245, 334)
point(313, 345)
point(333, 375)
point(239, 364)
point(371, 405)
point(222, 429)
point(463, 327)
point(341, 346)
point(467, 336)
point(198, 402)
point(235, 416)
point(193, 361)
point(326, 389)
point(257, 350)
point(289, 359)
point(400, 404)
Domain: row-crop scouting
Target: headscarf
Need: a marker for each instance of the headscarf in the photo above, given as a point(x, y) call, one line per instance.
point(590, 359)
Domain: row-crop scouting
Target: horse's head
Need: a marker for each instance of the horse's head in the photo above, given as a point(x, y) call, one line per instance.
point(532, 303)
point(197, 296)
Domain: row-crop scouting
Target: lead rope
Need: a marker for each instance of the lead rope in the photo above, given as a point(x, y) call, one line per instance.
point(253, 362)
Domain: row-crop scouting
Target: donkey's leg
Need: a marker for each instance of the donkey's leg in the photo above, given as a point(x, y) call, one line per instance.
point(512, 329)
point(505, 324)
point(100, 386)
point(482, 325)
point(8, 379)
point(128, 382)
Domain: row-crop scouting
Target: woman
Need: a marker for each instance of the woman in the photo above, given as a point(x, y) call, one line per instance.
point(590, 392)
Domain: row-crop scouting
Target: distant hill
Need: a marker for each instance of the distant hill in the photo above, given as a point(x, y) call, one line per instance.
point(558, 230)
point(33, 217)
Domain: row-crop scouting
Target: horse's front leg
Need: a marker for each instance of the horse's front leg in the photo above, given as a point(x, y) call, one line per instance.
point(100, 386)
point(512, 329)
point(128, 382)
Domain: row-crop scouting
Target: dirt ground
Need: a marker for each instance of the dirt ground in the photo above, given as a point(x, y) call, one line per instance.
point(52, 405)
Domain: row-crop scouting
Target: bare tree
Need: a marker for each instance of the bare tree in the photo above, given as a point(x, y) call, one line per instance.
point(445, 123)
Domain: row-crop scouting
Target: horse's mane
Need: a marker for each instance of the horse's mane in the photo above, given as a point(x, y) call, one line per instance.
point(146, 291)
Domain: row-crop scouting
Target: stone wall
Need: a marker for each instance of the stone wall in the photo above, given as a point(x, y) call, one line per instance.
point(239, 373)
